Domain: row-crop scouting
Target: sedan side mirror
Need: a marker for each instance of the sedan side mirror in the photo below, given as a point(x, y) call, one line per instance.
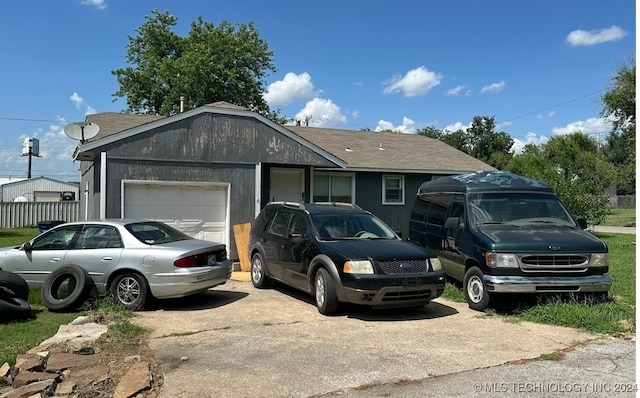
point(26, 246)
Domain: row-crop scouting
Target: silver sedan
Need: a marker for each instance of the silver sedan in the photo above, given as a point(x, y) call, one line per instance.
point(132, 260)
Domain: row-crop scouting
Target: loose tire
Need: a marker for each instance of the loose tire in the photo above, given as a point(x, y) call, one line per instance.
point(259, 278)
point(130, 290)
point(325, 293)
point(14, 284)
point(66, 288)
point(475, 290)
point(12, 308)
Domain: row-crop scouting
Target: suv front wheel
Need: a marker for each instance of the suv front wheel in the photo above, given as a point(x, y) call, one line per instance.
point(325, 292)
point(475, 290)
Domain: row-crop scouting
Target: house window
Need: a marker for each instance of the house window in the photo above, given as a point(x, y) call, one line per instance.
point(333, 188)
point(392, 190)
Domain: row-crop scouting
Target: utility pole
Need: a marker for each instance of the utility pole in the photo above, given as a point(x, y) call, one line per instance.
point(31, 148)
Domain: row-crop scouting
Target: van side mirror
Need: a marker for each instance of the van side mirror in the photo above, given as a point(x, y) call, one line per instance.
point(582, 223)
point(452, 223)
point(26, 246)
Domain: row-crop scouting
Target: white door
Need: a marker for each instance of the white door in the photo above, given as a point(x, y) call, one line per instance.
point(199, 210)
point(287, 185)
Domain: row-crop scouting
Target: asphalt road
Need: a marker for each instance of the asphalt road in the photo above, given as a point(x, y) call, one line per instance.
point(237, 341)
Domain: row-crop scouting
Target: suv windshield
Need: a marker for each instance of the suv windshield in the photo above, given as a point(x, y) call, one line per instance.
point(350, 226)
point(518, 209)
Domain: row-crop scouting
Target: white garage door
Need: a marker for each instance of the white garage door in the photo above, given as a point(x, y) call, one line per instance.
point(199, 210)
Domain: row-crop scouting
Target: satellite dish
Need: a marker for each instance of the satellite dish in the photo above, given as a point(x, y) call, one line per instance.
point(81, 131)
point(21, 199)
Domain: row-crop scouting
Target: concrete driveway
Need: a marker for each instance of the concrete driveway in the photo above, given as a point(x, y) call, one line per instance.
point(238, 341)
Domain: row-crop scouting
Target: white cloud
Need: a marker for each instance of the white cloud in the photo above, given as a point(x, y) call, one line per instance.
point(493, 87)
point(531, 138)
point(291, 88)
point(416, 82)
point(99, 4)
point(407, 126)
point(592, 37)
point(455, 127)
point(591, 126)
point(323, 113)
point(548, 115)
point(81, 105)
point(453, 92)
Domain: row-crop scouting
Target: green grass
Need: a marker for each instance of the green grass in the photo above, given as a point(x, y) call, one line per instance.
point(615, 316)
point(621, 218)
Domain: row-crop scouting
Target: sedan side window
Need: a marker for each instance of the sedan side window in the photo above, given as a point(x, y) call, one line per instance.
point(56, 239)
point(98, 237)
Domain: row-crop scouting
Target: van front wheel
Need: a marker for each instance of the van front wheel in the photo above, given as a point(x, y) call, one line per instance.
point(475, 290)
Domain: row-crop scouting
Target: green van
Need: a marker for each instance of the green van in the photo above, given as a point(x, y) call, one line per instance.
point(498, 232)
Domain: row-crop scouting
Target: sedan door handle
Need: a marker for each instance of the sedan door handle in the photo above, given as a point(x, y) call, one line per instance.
point(54, 259)
point(107, 258)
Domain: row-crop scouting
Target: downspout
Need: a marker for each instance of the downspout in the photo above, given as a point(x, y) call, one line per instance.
point(103, 185)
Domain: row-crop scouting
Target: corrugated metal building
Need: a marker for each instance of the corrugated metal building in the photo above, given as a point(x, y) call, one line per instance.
point(39, 189)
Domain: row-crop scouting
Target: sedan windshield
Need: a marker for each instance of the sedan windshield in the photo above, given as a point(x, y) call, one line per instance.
point(350, 226)
point(518, 209)
point(154, 233)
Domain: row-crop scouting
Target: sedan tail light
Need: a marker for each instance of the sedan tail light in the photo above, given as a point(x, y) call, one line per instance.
point(202, 259)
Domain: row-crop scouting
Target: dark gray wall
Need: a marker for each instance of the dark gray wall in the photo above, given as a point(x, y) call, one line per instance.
point(369, 197)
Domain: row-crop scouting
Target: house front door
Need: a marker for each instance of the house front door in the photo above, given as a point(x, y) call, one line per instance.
point(287, 185)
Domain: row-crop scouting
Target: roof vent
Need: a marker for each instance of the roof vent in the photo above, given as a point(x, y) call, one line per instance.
point(380, 148)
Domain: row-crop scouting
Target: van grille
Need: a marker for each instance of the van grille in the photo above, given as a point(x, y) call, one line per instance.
point(403, 266)
point(570, 262)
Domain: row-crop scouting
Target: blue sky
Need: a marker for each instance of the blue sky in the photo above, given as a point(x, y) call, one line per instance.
point(539, 67)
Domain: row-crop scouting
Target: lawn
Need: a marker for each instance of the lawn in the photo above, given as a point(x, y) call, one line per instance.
point(621, 218)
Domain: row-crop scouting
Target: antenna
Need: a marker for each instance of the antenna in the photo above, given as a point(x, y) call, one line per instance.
point(81, 131)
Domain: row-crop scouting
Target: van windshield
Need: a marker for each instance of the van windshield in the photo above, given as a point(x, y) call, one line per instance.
point(518, 209)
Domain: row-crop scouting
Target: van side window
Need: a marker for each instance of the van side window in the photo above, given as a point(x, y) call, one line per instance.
point(438, 209)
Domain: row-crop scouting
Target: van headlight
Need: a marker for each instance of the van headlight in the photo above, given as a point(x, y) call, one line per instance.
point(599, 260)
point(358, 267)
point(501, 260)
point(435, 263)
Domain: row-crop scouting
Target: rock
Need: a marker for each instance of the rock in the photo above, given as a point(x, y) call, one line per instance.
point(4, 370)
point(32, 389)
point(32, 362)
point(60, 361)
point(137, 378)
point(27, 377)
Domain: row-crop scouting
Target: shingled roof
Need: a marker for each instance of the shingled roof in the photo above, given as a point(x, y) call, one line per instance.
point(360, 150)
point(390, 151)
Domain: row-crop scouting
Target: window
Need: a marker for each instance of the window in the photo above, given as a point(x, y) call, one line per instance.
point(279, 224)
point(98, 237)
point(392, 190)
point(333, 188)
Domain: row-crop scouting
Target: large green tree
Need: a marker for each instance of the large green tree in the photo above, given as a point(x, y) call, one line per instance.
point(480, 141)
point(619, 106)
point(227, 62)
point(576, 170)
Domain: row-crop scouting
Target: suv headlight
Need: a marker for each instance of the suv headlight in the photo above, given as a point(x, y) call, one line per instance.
point(435, 263)
point(599, 260)
point(501, 260)
point(358, 267)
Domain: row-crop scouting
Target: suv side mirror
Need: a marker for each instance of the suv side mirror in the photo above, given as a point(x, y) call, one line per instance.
point(452, 223)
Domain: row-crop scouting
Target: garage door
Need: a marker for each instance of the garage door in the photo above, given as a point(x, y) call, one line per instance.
point(199, 210)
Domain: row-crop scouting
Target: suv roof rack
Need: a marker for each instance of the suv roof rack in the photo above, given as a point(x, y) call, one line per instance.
point(340, 204)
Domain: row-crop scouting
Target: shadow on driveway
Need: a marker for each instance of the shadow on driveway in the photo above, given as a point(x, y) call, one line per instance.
point(204, 301)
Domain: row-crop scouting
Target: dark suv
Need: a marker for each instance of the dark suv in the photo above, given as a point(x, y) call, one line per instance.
point(341, 253)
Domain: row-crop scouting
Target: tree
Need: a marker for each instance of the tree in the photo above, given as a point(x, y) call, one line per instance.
point(480, 141)
point(619, 106)
point(213, 63)
point(575, 169)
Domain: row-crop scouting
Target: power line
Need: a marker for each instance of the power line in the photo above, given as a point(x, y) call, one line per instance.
point(553, 106)
point(16, 119)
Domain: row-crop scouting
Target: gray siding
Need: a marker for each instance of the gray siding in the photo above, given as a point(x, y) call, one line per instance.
point(369, 197)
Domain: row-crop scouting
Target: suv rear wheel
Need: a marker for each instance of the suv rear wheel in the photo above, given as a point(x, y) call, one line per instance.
point(325, 292)
point(258, 276)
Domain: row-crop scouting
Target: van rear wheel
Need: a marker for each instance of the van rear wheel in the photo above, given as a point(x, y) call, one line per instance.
point(475, 290)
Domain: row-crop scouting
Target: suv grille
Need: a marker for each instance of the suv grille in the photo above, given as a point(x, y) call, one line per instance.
point(554, 262)
point(403, 266)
